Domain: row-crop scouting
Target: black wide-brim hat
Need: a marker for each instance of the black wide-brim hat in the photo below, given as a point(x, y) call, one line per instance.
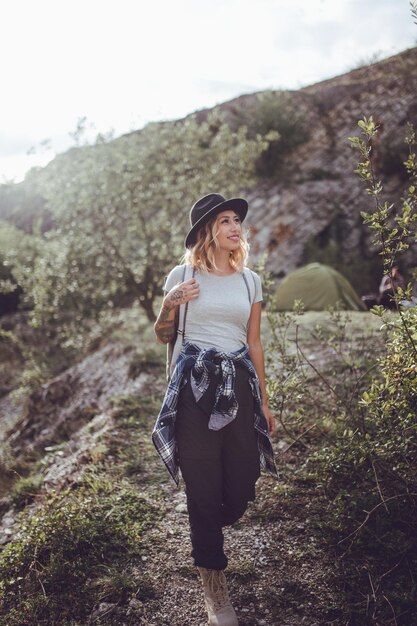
point(207, 207)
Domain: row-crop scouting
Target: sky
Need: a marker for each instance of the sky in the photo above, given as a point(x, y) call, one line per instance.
point(123, 63)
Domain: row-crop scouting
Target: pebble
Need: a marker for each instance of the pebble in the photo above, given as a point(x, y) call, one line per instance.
point(135, 604)
point(103, 608)
point(181, 508)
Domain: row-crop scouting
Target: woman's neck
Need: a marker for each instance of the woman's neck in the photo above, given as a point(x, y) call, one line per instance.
point(221, 259)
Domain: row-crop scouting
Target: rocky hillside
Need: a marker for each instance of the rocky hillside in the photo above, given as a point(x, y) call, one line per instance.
point(312, 212)
point(308, 209)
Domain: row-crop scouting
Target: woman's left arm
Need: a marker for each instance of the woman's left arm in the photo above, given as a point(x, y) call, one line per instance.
point(257, 356)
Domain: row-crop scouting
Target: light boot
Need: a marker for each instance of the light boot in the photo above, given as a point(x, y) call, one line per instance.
point(219, 608)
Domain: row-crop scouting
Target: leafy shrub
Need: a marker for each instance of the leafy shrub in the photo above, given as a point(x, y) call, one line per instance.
point(25, 489)
point(278, 118)
point(96, 259)
point(119, 213)
point(49, 573)
point(370, 478)
point(19, 252)
point(369, 472)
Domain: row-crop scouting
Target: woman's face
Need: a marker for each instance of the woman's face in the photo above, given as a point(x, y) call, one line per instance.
point(228, 229)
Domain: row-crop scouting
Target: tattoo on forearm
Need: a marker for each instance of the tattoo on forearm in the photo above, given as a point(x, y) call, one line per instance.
point(164, 314)
point(166, 334)
point(165, 327)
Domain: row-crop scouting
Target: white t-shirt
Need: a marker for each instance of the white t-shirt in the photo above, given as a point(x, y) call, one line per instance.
point(218, 317)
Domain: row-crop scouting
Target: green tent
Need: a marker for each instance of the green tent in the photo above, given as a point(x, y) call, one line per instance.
point(318, 286)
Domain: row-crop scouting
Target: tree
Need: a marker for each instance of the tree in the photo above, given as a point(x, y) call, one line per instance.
point(18, 254)
point(122, 211)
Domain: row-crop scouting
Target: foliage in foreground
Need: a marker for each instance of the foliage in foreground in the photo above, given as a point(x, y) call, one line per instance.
point(365, 406)
point(83, 546)
point(369, 475)
point(370, 471)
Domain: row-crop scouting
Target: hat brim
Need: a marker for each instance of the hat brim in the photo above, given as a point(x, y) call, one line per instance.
point(239, 205)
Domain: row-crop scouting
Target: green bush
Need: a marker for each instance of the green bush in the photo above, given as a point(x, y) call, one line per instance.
point(371, 479)
point(51, 571)
point(277, 117)
point(369, 471)
point(25, 489)
point(306, 393)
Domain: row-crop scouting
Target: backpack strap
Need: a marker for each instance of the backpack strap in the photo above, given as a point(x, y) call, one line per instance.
point(183, 309)
point(180, 329)
point(245, 273)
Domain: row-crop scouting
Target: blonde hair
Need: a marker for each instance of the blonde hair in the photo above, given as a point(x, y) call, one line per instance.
point(202, 254)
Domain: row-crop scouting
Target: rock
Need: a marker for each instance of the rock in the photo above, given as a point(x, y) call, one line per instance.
point(103, 609)
point(7, 521)
point(71, 400)
point(181, 508)
point(134, 606)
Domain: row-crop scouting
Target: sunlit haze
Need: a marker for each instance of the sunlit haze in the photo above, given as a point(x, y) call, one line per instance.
point(122, 64)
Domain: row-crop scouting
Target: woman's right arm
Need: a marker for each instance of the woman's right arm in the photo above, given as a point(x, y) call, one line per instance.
point(164, 326)
point(165, 322)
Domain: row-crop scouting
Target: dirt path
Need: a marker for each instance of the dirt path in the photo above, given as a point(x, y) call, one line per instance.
point(279, 571)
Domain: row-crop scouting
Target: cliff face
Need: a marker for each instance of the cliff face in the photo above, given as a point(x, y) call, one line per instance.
point(315, 205)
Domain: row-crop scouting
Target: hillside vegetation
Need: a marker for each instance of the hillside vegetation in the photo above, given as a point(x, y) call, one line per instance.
point(92, 530)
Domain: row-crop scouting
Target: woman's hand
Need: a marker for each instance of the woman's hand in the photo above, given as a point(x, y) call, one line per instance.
point(269, 418)
point(182, 292)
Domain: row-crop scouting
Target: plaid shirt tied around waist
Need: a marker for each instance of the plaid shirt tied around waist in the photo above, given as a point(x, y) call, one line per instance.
point(201, 363)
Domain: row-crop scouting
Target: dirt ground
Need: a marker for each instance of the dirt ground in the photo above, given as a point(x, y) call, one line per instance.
point(282, 568)
point(279, 572)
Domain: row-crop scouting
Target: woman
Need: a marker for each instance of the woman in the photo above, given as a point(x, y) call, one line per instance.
point(215, 423)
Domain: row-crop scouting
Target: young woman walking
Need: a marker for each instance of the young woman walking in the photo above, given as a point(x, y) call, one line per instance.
point(214, 424)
